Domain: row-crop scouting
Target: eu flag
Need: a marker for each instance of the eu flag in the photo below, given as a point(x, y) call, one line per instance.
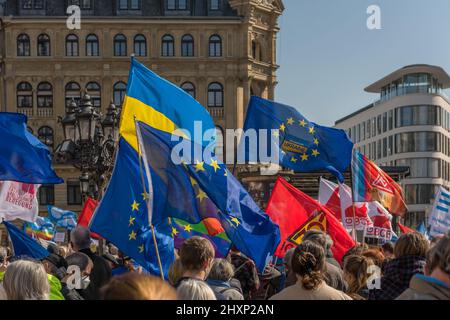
point(303, 146)
point(23, 244)
point(173, 175)
point(23, 158)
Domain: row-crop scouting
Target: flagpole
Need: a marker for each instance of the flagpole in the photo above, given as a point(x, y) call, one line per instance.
point(353, 200)
point(147, 204)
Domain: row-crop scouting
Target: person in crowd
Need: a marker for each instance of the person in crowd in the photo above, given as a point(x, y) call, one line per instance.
point(356, 274)
point(3, 259)
point(63, 251)
point(308, 263)
point(137, 286)
point(388, 250)
point(55, 250)
point(333, 275)
point(101, 272)
point(55, 266)
point(376, 255)
point(410, 258)
point(219, 279)
point(358, 249)
point(291, 278)
point(192, 289)
point(435, 284)
point(117, 267)
point(26, 280)
point(175, 272)
point(270, 281)
point(80, 265)
point(329, 254)
point(245, 271)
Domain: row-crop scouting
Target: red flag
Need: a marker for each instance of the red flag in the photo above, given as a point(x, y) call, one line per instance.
point(290, 209)
point(86, 215)
point(405, 229)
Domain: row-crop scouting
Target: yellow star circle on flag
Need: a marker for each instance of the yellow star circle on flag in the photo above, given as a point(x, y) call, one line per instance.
point(315, 153)
point(131, 221)
point(290, 121)
point(215, 165)
point(302, 122)
point(141, 248)
point(226, 173)
point(174, 231)
point(199, 166)
point(193, 181)
point(236, 220)
point(312, 130)
point(145, 196)
point(132, 235)
point(201, 195)
point(135, 206)
point(282, 127)
point(293, 159)
point(316, 141)
point(304, 157)
point(187, 228)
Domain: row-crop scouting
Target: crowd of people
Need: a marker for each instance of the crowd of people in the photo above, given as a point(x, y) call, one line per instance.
point(411, 269)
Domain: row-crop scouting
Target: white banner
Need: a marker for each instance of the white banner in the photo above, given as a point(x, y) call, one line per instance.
point(440, 214)
point(18, 201)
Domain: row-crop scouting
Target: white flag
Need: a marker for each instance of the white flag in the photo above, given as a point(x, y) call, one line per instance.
point(18, 201)
point(439, 220)
point(381, 227)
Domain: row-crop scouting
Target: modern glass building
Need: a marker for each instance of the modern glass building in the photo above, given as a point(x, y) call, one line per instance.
point(408, 126)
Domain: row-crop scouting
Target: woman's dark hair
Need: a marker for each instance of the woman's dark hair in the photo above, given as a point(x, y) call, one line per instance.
point(308, 262)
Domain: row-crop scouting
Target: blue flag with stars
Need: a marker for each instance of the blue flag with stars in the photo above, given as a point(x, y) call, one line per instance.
point(302, 146)
point(173, 176)
point(122, 216)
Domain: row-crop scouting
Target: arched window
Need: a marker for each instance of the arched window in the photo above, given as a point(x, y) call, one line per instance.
point(43, 45)
point(219, 149)
point(72, 46)
point(189, 88)
point(215, 95)
point(167, 46)
point(73, 91)
point(120, 89)
point(24, 95)
point(92, 47)
point(45, 134)
point(45, 95)
point(120, 45)
point(214, 5)
point(23, 45)
point(187, 46)
point(140, 45)
point(94, 90)
point(215, 46)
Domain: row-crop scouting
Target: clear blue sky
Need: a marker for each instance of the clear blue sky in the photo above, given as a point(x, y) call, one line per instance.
point(327, 55)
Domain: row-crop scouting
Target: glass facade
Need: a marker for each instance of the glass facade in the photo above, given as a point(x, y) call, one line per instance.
point(417, 142)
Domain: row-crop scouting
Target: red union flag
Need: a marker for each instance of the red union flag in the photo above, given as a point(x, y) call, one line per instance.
point(381, 218)
point(370, 183)
point(295, 213)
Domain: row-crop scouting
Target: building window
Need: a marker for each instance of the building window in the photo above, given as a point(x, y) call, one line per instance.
point(47, 195)
point(167, 46)
point(140, 46)
point(417, 115)
point(45, 134)
point(24, 95)
point(420, 141)
point(385, 120)
point(72, 46)
point(420, 193)
point(189, 88)
point(187, 46)
point(391, 120)
point(33, 4)
point(215, 46)
point(92, 47)
point(23, 45)
point(215, 95)
point(43, 45)
point(45, 95)
point(129, 4)
point(214, 4)
point(83, 4)
point(120, 89)
point(94, 90)
point(120, 45)
point(72, 92)
point(176, 4)
point(73, 193)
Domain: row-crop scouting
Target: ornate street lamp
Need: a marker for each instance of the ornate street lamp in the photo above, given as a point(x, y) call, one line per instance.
point(86, 119)
point(69, 121)
point(110, 122)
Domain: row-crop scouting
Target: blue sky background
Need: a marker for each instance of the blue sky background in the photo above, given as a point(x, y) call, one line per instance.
point(327, 55)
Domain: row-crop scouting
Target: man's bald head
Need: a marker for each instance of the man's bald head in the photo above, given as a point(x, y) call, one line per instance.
point(80, 237)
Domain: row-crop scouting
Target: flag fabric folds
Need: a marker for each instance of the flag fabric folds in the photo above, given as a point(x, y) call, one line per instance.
point(122, 216)
point(439, 219)
point(42, 228)
point(62, 218)
point(291, 209)
point(381, 222)
point(370, 183)
point(160, 104)
point(404, 229)
point(86, 215)
point(303, 146)
point(24, 244)
point(183, 230)
point(173, 177)
point(23, 158)
point(18, 201)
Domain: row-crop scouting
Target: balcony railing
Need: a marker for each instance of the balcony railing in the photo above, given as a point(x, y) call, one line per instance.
point(26, 111)
point(45, 112)
point(403, 92)
point(216, 112)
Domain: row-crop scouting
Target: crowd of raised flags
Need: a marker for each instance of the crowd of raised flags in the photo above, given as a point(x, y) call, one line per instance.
point(154, 203)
